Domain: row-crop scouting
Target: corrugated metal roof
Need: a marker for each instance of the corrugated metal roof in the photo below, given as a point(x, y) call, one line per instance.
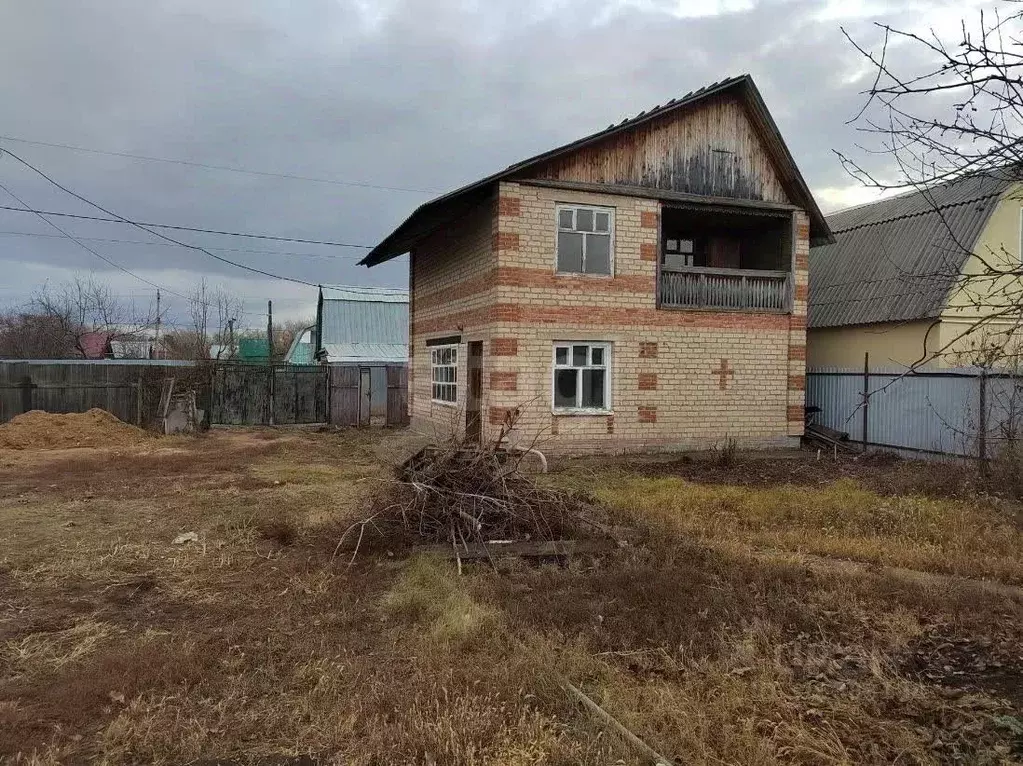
point(447, 207)
point(364, 322)
point(895, 260)
point(370, 294)
point(390, 353)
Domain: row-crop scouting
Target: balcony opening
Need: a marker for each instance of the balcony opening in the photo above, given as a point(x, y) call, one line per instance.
point(718, 259)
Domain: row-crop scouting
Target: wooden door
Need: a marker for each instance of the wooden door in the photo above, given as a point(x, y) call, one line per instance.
point(474, 393)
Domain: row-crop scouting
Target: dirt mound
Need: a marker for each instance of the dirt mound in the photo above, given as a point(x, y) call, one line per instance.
point(48, 430)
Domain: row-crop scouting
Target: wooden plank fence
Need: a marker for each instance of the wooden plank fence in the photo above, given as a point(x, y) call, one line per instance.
point(233, 394)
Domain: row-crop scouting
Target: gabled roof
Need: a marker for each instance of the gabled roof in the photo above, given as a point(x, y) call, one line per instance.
point(362, 324)
point(448, 207)
point(896, 260)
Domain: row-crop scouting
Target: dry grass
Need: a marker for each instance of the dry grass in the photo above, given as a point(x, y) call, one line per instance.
point(841, 519)
point(117, 646)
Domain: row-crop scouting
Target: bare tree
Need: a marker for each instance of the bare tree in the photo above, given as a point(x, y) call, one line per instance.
point(957, 114)
point(84, 316)
point(28, 335)
point(213, 312)
point(285, 334)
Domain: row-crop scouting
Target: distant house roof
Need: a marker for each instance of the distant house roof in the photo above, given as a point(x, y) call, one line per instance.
point(895, 260)
point(301, 350)
point(95, 345)
point(362, 324)
point(448, 207)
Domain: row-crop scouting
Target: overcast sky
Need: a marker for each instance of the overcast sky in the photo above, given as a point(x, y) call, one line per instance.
point(423, 95)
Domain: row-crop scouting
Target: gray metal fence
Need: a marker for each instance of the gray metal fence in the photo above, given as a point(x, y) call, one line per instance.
point(965, 412)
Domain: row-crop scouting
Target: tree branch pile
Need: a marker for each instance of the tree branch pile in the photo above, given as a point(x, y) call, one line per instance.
point(461, 496)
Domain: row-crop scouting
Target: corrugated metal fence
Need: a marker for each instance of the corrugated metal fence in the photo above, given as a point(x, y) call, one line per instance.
point(965, 412)
point(233, 394)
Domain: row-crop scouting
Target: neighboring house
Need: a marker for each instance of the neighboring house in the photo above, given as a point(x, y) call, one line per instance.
point(302, 349)
point(361, 325)
point(94, 345)
point(251, 350)
point(897, 284)
point(644, 287)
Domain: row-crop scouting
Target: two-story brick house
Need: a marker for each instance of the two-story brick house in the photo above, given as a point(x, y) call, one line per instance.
point(644, 287)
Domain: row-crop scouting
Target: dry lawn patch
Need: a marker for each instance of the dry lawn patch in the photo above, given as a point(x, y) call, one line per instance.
point(254, 644)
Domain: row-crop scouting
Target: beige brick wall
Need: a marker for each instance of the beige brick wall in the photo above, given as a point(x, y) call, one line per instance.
point(491, 277)
point(451, 279)
point(668, 395)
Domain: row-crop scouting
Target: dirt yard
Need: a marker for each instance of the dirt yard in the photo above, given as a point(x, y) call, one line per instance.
point(767, 610)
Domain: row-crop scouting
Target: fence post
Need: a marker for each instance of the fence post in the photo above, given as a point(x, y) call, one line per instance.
point(866, 396)
point(270, 393)
point(982, 433)
point(138, 401)
point(330, 393)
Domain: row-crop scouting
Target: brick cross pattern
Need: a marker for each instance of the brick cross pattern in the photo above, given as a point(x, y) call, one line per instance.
point(723, 372)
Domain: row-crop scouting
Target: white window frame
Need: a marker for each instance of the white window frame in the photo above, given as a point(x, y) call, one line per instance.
point(453, 365)
point(608, 349)
point(610, 234)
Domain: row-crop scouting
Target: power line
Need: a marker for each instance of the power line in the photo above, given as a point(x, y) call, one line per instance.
point(231, 168)
point(89, 249)
point(167, 244)
point(142, 227)
point(27, 209)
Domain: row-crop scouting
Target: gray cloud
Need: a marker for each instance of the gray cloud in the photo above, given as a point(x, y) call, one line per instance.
point(413, 93)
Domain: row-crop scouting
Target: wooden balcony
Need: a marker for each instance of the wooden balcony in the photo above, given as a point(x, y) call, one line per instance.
point(725, 289)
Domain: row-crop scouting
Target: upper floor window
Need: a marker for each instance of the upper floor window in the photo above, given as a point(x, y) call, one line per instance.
point(584, 239)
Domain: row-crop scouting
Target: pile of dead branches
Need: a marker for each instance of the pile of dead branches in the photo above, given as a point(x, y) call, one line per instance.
point(463, 496)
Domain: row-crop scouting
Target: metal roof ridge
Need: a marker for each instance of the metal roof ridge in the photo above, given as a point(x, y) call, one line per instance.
point(905, 216)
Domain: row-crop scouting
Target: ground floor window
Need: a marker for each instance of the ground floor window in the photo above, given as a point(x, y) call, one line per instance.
point(444, 373)
point(581, 377)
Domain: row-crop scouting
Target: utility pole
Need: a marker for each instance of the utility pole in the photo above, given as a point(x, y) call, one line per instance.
point(270, 330)
point(270, 358)
point(156, 343)
point(230, 337)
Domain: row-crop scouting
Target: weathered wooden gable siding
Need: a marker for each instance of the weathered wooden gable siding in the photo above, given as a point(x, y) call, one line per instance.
point(712, 149)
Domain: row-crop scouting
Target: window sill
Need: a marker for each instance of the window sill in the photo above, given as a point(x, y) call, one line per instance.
point(574, 412)
point(443, 403)
point(583, 274)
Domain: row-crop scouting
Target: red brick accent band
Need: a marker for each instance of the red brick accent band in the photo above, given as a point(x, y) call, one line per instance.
point(504, 381)
point(514, 276)
point(648, 381)
point(648, 251)
point(794, 413)
point(610, 424)
point(499, 415)
point(797, 322)
point(554, 425)
point(605, 316)
point(504, 346)
point(506, 240)
point(647, 350)
point(509, 206)
point(802, 261)
point(803, 231)
point(647, 414)
point(801, 292)
point(797, 382)
point(797, 353)
point(648, 220)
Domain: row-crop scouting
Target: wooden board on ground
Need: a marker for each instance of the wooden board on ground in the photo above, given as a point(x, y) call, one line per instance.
point(527, 548)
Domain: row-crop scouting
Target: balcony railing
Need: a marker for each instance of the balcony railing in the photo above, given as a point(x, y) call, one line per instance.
point(725, 289)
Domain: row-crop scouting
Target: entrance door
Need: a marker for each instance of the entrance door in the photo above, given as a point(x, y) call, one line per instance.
point(474, 392)
point(365, 396)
